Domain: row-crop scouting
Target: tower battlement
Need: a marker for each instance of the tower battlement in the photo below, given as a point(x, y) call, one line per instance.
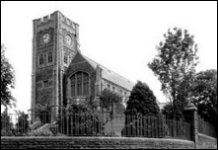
point(45, 19)
point(53, 16)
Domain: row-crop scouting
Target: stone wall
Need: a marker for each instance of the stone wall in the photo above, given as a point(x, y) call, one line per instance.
point(206, 142)
point(92, 143)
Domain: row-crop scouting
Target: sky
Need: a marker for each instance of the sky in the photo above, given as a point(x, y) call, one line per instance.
point(119, 35)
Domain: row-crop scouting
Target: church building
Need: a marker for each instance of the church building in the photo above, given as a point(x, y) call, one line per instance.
point(61, 74)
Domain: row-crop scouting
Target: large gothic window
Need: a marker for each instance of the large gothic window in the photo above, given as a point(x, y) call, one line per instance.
point(80, 84)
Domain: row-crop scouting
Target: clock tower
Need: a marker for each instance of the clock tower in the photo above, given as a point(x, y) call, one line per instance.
point(55, 43)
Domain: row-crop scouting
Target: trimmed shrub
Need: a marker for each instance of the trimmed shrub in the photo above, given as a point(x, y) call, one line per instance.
point(142, 101)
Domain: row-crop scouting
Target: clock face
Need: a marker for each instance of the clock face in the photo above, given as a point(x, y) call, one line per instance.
point(69, 40)
point(46, 38)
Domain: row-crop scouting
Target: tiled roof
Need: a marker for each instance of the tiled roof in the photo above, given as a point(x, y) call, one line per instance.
point(111, 76)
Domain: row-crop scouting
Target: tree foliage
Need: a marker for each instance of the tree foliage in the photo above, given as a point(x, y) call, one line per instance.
point(205, 93)
point(109, 99)
point(142, 101)
point(175, 65)
point(22, 125)
point(7, 80)
point(6, 124)
point(168, 112)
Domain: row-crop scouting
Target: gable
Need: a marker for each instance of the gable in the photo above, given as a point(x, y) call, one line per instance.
point(79, 63)
point(78, 58)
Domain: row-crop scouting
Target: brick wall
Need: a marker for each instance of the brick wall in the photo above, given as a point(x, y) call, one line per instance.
point(206, 142)
point(92, 143)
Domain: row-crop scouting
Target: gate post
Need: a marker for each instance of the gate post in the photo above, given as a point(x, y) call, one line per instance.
point(191, 117)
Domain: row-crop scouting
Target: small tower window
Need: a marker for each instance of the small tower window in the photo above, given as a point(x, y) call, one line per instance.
point(50, 57)
point(41, 60)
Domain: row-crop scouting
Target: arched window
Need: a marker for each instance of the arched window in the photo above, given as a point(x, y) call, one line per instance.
point(50, 57)
point(80, 84)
